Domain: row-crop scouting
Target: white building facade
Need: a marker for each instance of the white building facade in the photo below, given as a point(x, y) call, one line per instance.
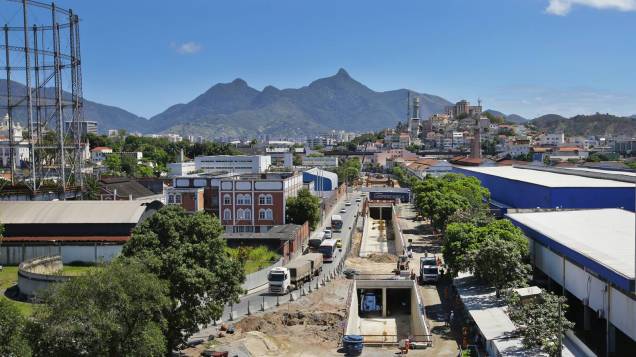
point(239, 164)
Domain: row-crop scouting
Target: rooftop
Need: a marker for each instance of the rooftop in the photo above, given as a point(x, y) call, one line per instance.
point(605, 236)
point(71, 212)
point(544, 178)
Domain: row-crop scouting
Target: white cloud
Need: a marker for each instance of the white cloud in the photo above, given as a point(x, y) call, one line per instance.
point(563, 7)
point(186, 48)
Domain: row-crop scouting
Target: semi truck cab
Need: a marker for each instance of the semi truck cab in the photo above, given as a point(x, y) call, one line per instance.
point(279, 280)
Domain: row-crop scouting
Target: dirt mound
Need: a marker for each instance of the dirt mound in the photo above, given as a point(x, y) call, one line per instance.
point(382, 258)
point(322, 325)
point(278, 320)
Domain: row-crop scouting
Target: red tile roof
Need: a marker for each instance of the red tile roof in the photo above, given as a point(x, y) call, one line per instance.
point(102, 148)
point(111, 239)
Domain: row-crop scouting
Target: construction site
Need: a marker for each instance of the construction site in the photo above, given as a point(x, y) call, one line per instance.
point(378, 300)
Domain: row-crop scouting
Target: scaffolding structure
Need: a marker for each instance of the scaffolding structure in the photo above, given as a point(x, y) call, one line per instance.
point(41, 91)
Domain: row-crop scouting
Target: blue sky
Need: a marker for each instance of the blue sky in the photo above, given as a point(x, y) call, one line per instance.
point(529, 57)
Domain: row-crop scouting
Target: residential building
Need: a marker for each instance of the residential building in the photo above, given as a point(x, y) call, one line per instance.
point(462, 108)
point(320, 161)
point(99, 153)
point(551, 139)
point(85, 127)
point(237, 164)
point(255, 203)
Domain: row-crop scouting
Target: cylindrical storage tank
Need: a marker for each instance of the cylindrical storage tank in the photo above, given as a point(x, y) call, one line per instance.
point(352, 344)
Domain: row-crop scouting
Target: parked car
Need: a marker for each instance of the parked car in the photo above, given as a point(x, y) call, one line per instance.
point(328, 234)
point(339, 243)
point(343, 210)
point(348, 203)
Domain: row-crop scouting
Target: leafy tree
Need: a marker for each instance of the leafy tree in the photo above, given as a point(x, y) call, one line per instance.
point(188, 251)
point(302, 208)
point(92, 188)
point(349, 170)
point(112, 311)
point(12, 323)
point(297, 160)
point(129, 165)
point(439, 207)
point(540, 322)
point(461, 244)
point(499, 263)
point(113, 162)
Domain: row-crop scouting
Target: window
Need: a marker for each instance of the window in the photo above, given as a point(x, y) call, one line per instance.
point(170, 199)
point(247, 214)
point(239, 214)
point(177, 198)
point(266, 214)
point(227, 199)
point(261, 214)
point(227, 214)
point(243, 199)
point(265, 199)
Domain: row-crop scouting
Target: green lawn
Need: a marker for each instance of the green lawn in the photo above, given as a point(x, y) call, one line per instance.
point(69, 270)
point(9, 277)
point(257, 257)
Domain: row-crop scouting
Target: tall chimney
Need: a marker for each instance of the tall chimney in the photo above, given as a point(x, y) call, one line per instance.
point(475, 151)
point(181, 157)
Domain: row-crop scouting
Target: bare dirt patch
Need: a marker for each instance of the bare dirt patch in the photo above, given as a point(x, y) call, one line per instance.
point(382, 258)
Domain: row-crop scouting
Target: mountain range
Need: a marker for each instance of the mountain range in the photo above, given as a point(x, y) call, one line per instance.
point(511, 118)
point(337, 102)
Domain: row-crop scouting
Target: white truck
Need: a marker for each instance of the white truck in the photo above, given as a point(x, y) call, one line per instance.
point(285, 279)
point(315, 260)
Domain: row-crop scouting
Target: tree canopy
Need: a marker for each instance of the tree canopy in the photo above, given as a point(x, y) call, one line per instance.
point(501, 264)
point(302, 208)
point(12, 323)
point(111, 311)
point(463, 243)
point(188, 251)
point(541, 321)
point(449, 197)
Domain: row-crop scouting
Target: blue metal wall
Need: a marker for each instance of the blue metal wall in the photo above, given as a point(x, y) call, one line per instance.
point(320, 183)
point(518, 194)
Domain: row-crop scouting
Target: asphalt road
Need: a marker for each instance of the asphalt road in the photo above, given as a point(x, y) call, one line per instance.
point(254, 301)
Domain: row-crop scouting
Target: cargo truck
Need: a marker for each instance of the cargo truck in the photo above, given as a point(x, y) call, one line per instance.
point(316, 240)
point(315, 260)
point(290, 277)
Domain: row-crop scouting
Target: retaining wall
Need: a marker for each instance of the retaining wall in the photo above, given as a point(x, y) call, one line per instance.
point(37, 275)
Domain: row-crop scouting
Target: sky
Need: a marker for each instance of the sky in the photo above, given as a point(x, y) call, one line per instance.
point(529, 57)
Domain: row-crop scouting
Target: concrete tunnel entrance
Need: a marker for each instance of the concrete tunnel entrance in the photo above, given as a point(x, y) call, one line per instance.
point(384, 213)
point(393, 312)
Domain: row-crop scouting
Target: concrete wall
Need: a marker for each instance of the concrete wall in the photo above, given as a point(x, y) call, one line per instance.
point(587, 287)
point(418, 324)
point(353, 320)
point(400, 244)
point(14, 255)
point(37, 275)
